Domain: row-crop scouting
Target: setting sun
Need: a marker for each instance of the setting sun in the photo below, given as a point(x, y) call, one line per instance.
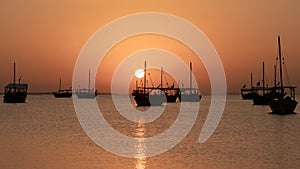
point(139, 73)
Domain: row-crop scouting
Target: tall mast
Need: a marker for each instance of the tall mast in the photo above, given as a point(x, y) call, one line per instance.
point(263, 81)
point(275, 76)
point(14, 84)
point(145, 78)
point(136, 84)
point(89, 79)
point(280, 64)
point(14, 73)
point(191, 76)
point(161, 78)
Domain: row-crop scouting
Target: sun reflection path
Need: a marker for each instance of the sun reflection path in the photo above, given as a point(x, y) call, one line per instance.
point(140, 147)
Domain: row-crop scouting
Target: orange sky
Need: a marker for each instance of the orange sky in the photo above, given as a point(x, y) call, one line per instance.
point(45, 38)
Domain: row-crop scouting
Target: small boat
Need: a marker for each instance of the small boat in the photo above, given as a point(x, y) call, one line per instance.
point(247, 93)
point(86, 93)
point(189, 94)
point(65, 93)
point(148, 96)
point(15, 92)
point(286, 102)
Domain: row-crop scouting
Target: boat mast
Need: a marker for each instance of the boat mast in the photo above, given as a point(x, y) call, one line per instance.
point(191, 77)
point(14, 84)
point(161, 78)
point(263, 81)
point(145, 78)
point(89, 79)
point(136, 85)
point(280, 64)
point(14, 73)
point(275, 76)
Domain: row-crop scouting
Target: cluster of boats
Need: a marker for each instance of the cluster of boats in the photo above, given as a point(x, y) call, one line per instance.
point(82, 93)
point(156, 96)
point(279, 97)
point(143, 96)
point(17, 92)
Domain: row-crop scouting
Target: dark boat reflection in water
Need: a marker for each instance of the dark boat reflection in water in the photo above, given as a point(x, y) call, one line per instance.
point(15, 93)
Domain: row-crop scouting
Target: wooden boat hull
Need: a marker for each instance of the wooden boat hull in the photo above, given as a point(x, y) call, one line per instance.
point(14, 98)
point(247, 96)
point(171, 98)
point(86, 95)
point(62, 95)
point(261, 100)
point(283, 106)
point(146, 100)
point(190, 98)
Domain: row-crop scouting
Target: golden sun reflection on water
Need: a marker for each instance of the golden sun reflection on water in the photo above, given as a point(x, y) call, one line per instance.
point(140, 154)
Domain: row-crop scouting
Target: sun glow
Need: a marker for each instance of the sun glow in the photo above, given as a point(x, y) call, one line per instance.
point(139, 73)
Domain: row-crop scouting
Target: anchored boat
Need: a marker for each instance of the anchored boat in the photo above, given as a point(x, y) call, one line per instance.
point(190, 94)
point(15, 92)
point(286, 102)
point(148, 96)
point(86, 93)
point(62, 93)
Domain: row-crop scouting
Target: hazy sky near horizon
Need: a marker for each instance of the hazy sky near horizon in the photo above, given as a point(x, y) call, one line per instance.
point(45, 37)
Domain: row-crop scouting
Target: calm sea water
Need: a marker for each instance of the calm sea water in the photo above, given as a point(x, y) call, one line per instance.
point(45, 133)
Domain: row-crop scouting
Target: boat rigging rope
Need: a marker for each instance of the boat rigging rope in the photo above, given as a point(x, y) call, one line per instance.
point(166, 79)
point(286, 72)
point(151, 80)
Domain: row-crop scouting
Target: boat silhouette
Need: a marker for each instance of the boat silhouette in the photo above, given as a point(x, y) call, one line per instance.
point(62, 93)
point(189, 94)
point(286, 102)
point(86, 93)
point(15, 92)
point(148, 96)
